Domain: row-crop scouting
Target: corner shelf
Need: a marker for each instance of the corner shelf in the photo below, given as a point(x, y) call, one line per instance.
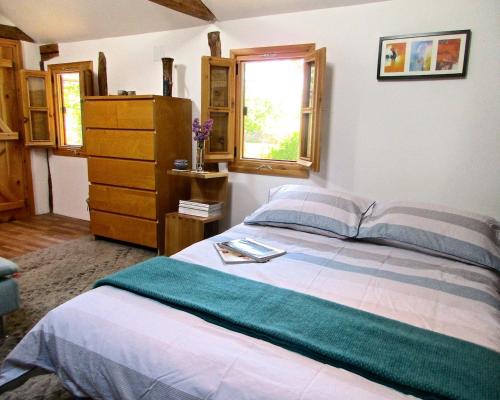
point(183, 230)
point(197, 175)
point(205, 220)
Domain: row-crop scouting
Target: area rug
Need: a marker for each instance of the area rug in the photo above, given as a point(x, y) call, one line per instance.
point(50, 277)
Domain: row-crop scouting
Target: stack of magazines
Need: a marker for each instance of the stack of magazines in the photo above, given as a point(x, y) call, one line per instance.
point(200, 208)
point(246, 250)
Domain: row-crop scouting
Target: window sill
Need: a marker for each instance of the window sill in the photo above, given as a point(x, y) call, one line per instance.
point(265, 167)
point(69, 152)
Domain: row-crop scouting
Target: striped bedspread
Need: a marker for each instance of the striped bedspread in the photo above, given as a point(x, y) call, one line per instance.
point(108, 343)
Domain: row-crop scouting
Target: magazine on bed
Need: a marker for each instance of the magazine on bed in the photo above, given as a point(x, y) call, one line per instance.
point(231, 257)
point(259, 252)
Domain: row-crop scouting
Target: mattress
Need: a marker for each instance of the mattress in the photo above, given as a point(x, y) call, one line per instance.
point(112, 344)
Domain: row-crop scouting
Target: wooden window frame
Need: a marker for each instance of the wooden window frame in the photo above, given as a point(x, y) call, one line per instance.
point(84, 68)
point(261, 166)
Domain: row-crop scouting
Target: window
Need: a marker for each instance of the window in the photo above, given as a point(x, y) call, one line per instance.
point(70, 81)
point(266, 105)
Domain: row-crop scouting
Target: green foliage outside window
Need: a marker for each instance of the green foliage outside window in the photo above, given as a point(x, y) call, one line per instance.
point(73, 111)
point(288, 150)
point(261, 113)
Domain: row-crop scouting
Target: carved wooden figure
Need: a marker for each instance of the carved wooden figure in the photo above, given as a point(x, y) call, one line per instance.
point(214, 43)
point(167, 76)
point(102, 75)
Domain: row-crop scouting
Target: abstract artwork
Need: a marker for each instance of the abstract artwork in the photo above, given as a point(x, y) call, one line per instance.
point(421, 54)
point(424, 55)
point(448, 54)
point(395, 57)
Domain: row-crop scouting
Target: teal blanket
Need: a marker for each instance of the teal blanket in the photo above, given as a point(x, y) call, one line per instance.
point(410, 359)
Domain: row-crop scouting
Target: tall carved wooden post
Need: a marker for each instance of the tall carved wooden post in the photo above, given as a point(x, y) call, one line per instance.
point(47, 52)
point(167, 76)
point(102, 75)
point(214, 43)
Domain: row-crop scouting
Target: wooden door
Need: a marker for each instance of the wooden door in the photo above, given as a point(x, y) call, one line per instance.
point(16, 198)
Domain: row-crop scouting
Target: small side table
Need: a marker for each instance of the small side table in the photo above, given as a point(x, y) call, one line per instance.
point(182, 230)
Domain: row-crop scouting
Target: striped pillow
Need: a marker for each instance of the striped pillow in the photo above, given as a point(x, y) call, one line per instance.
point(460, 235)
point(312, 209)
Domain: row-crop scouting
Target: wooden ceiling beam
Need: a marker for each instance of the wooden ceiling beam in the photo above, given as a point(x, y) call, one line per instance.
point(194, 8)
point(13, 32)
point(49, 51)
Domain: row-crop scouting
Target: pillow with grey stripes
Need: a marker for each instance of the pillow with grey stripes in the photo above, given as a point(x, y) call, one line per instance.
point(312, 209)
point(464, 236)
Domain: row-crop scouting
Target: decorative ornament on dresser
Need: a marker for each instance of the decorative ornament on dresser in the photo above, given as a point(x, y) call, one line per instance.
point(167, 76)
point(201, 134)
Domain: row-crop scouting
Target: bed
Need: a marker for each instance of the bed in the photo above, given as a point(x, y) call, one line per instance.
point(113, 344)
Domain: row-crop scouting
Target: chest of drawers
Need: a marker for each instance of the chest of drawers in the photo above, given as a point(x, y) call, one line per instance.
point(131, 142)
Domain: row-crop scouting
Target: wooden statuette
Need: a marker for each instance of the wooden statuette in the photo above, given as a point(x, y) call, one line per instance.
point(167, 76)
point(102, 75)
point(214, 43)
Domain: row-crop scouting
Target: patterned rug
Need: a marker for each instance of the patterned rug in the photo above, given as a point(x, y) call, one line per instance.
point(50, 277)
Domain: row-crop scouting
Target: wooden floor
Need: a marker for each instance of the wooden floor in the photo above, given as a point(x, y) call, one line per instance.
point(37, 232)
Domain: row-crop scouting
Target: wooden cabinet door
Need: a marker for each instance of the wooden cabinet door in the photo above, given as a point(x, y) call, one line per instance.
point(38, 109)
point(15, 173)
point(218, 104)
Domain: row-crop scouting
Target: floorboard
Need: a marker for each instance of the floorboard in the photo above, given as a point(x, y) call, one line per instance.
point(38, 232)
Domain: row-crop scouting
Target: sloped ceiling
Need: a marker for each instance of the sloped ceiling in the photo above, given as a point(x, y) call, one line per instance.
point(74, 20)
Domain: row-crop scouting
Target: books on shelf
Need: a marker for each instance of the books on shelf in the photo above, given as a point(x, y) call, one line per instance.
point(257, 251)
point(201, 204)
point(200, 208)
point(199, 213)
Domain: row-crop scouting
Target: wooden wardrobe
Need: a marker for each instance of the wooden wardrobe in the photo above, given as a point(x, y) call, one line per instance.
point(16, 191)
point(131, 142)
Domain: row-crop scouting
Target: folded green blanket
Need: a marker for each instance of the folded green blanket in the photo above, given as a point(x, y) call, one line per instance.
point(410, 359)
point(7, 267)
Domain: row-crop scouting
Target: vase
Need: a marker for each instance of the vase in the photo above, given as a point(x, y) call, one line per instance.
point(200, 153)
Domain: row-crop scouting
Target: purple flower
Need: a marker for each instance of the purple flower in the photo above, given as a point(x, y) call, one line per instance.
point(202, 132)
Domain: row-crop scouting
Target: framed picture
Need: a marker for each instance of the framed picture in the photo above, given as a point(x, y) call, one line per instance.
point(424, 55)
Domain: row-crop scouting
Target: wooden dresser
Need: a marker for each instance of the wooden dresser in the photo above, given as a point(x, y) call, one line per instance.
point(131, 142)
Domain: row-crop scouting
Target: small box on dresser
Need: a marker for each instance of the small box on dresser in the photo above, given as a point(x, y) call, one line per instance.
point(131, 142)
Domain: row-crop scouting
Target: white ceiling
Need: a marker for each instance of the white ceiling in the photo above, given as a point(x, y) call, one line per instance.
point(48, 21)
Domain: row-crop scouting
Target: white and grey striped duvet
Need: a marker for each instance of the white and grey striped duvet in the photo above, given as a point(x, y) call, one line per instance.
point(111, 344)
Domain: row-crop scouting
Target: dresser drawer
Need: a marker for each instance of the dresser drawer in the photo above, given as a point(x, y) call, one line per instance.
point(127, 173)
point(119, 114)
point(133, 202)
point(120, 227)
point(137, 145)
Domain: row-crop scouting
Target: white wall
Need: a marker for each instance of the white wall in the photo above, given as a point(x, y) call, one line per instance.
point(433, 141)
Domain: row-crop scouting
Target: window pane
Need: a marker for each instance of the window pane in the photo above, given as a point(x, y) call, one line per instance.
point(272, 93)
point(36, 89)
point(309, 84)
point(219, 88)
point(39, 125)
point(218, 136)
point(305, 143)
point(72, 112)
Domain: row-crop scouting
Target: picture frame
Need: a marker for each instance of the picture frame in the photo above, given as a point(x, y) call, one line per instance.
point(424, 55)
